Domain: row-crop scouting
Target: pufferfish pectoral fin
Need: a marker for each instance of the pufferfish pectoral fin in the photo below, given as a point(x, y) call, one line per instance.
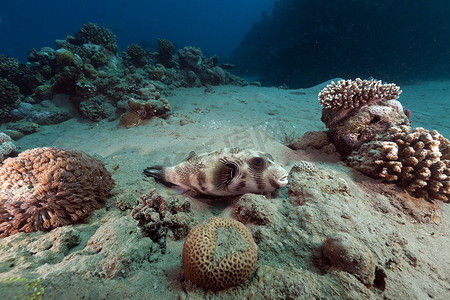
point(157, 172)
point(191, 155)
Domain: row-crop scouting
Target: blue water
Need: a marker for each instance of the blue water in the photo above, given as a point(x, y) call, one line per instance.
point(216, 26)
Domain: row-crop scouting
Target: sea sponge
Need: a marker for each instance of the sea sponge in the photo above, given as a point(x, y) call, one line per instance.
point(418, 161)
point(45, 188)
point(219, 253)
point(349, 94)
point(6, 146)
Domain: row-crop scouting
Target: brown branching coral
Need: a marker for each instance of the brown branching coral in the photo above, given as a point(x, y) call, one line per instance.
point(157, 215)
point(419, 161)
point(45, 188)
point(349, 94)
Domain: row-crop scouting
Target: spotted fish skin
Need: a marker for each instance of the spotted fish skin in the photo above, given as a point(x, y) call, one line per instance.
point(226, 172)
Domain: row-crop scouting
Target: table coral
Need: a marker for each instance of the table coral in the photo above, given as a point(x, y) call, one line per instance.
point(219, 253)
point(45, 188)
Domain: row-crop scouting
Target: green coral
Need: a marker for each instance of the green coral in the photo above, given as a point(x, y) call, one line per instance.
point(21, 288)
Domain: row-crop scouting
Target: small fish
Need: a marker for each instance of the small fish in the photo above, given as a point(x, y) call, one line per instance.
point(226, 172)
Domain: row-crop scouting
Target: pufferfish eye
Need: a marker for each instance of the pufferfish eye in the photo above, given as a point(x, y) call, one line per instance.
point(258, 163)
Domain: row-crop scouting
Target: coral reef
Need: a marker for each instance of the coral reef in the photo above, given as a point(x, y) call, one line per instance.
point(157, 215)
point(144, 111)
point(219, 253)
point(417, 160)
point(98, 79)
point(371, 129)
point(356, 111)
point(6, 146)
point(45, 188)
point(98, 35)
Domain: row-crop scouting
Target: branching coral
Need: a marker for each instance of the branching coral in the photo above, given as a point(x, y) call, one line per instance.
point(349, 94)
point(157, 215)
point(419, 161)
point(357, 111)
point(45, 188)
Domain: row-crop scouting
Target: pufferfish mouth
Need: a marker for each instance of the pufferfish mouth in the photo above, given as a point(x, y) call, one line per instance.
point(283, 180)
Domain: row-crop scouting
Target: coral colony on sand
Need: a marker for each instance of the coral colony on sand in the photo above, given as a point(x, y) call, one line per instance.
point(370, 128)
point(45, 188)
point(219, 253)
point(100, 82)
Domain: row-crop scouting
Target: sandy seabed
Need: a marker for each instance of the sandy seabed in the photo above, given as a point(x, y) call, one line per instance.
point(108, 258)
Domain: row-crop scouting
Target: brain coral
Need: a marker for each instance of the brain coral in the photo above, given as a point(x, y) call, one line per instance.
point(44, 188)
point(219, 253)
point(349, 94)
point(419, 161)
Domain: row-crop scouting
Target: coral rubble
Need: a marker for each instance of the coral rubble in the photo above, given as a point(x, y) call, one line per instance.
point(157, 215)
point(45, 188)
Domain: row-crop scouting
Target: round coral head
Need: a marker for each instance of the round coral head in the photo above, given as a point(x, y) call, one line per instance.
point(219, 253)
point(45, 188)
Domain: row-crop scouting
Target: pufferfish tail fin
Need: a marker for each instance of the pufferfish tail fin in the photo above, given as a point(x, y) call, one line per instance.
point(157, 172)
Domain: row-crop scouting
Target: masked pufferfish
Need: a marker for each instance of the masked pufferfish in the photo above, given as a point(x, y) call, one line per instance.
point(226, 172)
